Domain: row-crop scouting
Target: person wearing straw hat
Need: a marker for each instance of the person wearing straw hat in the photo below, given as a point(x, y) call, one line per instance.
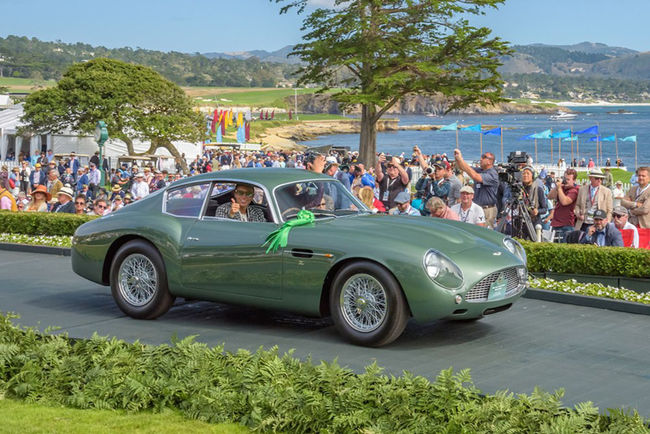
point(618, 193)
point(590, 198)
point(40, 197)
point(65, 203)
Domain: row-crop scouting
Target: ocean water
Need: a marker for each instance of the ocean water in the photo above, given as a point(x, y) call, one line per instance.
point(514, 127)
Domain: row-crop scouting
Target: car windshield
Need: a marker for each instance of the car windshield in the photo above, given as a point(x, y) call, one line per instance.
point(322, 197)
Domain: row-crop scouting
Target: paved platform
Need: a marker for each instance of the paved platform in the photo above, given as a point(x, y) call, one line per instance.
point(596, 355)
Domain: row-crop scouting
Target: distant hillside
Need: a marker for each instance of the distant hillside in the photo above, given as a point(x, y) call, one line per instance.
point(22, 57)
point(592, 48)
point(279, 56)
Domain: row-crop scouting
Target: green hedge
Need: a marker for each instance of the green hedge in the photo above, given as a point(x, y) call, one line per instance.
point(269, 392)
point(586, 259)
point(39, 223)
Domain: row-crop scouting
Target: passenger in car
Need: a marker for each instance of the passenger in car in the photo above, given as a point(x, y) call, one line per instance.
point(240, 208)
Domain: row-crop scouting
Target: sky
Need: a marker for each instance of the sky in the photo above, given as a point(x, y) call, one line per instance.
point(238, 25)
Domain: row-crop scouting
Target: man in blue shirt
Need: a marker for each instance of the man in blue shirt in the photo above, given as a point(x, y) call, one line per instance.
point(486, 184)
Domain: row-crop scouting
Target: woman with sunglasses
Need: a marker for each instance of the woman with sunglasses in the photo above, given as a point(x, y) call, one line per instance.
point(80, 204)
point(240, 208)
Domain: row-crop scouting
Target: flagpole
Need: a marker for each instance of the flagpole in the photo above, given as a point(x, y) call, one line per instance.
point(571, 145)
point(551, 146)
point(536, 160)
point(501, 144)
point(635, 164)
point(578, 150)
point(616, 142)
point(480, 134)
point(598, 144)
point(457, 136)
point(559, 151)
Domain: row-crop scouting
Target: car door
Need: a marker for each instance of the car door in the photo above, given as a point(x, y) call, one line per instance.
point(221, 256)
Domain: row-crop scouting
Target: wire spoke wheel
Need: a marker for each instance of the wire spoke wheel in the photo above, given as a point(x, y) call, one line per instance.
point(363, 303)
point(137, 279)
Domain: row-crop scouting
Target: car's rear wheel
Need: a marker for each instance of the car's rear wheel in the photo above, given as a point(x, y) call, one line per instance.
point(367, 304)
point(139, 281)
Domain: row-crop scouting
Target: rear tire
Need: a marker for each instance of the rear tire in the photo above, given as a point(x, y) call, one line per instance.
point(367, 304)
point(139, 281)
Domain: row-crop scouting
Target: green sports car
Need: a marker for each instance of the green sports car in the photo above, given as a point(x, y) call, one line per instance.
point(204, 238)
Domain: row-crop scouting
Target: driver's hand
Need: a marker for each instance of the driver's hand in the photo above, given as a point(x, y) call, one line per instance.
point(234, 209)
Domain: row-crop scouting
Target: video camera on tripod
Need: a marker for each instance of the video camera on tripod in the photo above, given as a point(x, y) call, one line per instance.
point(510, 172)
point(515, 218)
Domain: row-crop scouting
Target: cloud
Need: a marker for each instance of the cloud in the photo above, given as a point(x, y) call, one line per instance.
point(322, 3)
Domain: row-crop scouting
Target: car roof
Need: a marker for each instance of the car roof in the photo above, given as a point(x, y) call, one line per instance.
point(267, 176)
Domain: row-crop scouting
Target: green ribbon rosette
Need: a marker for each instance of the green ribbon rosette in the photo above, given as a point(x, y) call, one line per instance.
point(279, 237)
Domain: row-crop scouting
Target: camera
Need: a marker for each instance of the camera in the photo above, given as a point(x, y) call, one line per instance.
point(389, 158)
point(428, 170)
point(510, 172)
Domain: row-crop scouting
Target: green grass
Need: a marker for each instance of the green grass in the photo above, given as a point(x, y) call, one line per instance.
point(260, 97)
point(24, 84)
point(22, 417)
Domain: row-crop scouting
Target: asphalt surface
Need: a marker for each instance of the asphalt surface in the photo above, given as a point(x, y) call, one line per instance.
point(595, 355)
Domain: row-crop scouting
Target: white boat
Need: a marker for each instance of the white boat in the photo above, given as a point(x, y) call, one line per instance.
point(562, 116)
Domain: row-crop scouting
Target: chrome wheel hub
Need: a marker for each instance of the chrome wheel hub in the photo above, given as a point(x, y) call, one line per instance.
point(363, 303)
point(137, 279)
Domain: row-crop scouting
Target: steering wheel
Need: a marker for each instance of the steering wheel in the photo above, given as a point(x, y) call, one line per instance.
point(287, 212)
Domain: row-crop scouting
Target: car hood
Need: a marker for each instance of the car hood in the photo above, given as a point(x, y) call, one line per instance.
point(449, 236)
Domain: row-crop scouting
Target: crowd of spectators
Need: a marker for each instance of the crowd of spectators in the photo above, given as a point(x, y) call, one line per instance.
point(421, 185)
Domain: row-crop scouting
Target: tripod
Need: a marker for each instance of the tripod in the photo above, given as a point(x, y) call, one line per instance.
point(515, 212)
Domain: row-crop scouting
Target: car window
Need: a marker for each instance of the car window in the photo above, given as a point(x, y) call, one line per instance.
point(223, 193)
point(324, 198)
point(186, 201)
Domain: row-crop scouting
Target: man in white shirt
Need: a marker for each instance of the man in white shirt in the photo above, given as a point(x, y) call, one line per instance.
point(467, 210)
point(620, 221)
point(618, 193)
point(140, 189)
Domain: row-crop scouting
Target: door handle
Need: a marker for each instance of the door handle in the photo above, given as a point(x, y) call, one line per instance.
point(192, 239)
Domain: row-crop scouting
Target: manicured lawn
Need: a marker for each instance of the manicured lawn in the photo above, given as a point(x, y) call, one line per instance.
point(618, 174)
point(24, 84)
point(21, 417)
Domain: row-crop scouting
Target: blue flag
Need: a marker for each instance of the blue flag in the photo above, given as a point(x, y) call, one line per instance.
point(608, 139)
point(450, 127)
point(595, 139)
point(493, 132)
point(241, 134)
point(561, 134)
point(528, 137)
point(546, 134)
point(476, 128)
point(219, 135)
point(571, 139)
point(590, 130)
point(628, 139)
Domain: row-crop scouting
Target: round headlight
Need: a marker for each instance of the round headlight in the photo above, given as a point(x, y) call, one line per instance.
point(515, 248)
point(442, 270)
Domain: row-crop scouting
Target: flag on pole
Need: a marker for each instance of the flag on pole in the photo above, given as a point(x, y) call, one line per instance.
point(219, 135)
point(476, 128)
point(450, 127)
point(266, 116)
point(608, 139)
point(590, 130)
point(628, 139)
point(546, 134)
point(247, 131)
point(561, 134)
point(241, 135)
point(214, 120)
point(240, 119)
point(223, 124)
point(571, 139)
point(493, 132)
point(261, 115)
point(289, 114)
point(595, 139)
point(528, 137)
point(272, 114)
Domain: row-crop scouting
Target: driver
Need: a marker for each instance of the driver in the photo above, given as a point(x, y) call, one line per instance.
point(240, 207)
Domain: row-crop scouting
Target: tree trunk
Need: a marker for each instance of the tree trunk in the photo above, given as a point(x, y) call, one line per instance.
point(368, 137)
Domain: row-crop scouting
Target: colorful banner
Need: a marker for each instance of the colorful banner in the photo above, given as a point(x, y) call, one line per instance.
point(493, 132)
point(546, 134)
point(450, 127)
point(476, 128)
point(590, 130)
point(561, 134)
point(628, 139)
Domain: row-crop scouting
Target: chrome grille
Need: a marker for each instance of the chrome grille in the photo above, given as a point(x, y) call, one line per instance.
point(479, 292)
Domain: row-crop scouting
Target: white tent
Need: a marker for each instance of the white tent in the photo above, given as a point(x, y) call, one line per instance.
point(68, 141)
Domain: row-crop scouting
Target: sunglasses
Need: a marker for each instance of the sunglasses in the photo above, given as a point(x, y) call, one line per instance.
point(616, 216)
point(80, 203)
point(101, 206)
point(244, 193)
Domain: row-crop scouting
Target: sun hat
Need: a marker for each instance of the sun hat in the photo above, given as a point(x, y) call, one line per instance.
point(139, 175)
point(467, 189)
point(42, 189)
point(596, 173)
point(403, 197)
point(37, 165)
point(66, 191)
point(116, 188)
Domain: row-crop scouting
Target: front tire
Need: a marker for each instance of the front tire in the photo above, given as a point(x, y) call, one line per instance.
point(139, 281)
point(367, 304)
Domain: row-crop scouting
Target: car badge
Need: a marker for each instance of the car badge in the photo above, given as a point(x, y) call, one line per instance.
point(496, 253)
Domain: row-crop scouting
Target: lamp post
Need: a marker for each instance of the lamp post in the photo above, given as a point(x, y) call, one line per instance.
point(101, 135)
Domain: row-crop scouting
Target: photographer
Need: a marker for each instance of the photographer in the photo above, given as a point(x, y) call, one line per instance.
point(436, 183)
point(486, 183)
point(393, 182)
point(565, 195)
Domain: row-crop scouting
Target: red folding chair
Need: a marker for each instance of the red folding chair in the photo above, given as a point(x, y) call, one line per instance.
point(644, 238)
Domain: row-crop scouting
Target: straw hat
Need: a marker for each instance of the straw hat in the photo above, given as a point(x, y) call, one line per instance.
point(596, 173)
point(67, 191)
point(116, 188)
point(42, 189)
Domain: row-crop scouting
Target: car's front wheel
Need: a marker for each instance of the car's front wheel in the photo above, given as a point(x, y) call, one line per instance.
point(139, 282)
point(367, 304)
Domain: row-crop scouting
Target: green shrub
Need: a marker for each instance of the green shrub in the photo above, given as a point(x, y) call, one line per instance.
point(585, 259)
point(39, 223)
point(269, 392)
